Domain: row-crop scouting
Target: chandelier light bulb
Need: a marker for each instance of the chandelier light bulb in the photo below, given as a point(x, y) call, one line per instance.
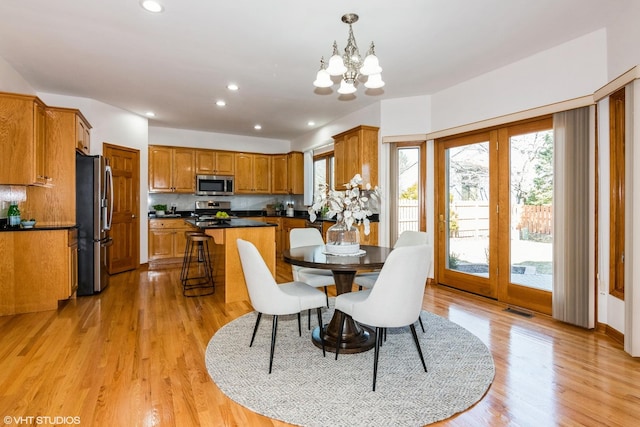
point(374, 81)
point(323, 79)
point(371, 64)
point(336, 63)
point(346, 87)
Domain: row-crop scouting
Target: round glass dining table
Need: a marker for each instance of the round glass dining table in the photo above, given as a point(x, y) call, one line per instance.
point(356, 338)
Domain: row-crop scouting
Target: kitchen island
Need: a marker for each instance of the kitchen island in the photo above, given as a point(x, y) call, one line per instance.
point(227, 270)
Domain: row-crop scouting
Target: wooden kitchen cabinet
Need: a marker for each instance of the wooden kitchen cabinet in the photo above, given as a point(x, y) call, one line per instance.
point(287, 173)
point(253, 173)
point(171, 169)
point(167, 240)
point(356, 151)
point(279, 174)
point(23, 141)
point(35, 279)
point(212, 162)
point(287, 225)
point(57, 205)
point(83, 134)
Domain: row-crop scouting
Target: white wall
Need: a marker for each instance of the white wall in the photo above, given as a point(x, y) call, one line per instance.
point(369, 116)
point(570, 70)
point(216, 141)
point(622, 41)
point(11, 81)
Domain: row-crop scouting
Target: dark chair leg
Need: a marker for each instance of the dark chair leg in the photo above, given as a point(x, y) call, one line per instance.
point(421, 325)
point(340, 334)
point(273, 340)
point(255, 328)
point(299, 326)
point(326, 295)
point(309, 319)
point(321, 333)
point(415, 339)
point(375, 355)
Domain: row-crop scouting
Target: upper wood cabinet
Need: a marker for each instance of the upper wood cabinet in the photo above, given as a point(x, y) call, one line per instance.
point(57, 205)
point(83, 134)
point(253, 173)
point(287, 173)
point(171, 169)
point(279, 174)
point(211, 162)
point(356, 151)
point(23, 141)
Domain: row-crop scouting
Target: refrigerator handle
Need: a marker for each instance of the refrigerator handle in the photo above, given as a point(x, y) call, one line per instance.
point(108, 181)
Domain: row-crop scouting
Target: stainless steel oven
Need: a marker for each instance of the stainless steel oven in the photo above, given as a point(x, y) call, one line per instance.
point(214, 185)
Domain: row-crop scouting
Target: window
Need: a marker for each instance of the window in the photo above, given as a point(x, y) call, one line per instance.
point(617, 193)
point(323, 167)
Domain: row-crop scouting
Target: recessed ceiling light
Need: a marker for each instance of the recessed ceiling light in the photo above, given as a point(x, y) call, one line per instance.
point(311, 123)
point(221, 103)
point(232, 86)
point(151, 6)
point(257, 127)
point(150, 114)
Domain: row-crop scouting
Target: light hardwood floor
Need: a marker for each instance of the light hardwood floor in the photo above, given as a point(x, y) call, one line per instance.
point(134, 356)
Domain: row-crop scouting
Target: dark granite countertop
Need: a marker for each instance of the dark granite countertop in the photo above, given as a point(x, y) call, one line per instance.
point(257, 213)
point(229, 223)
point(41, 228)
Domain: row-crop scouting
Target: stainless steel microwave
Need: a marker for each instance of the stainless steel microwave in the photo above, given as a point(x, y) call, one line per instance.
point(212, 185)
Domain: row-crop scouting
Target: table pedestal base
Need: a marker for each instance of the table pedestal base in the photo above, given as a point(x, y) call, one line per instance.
point(358, 342)
point(355, 338)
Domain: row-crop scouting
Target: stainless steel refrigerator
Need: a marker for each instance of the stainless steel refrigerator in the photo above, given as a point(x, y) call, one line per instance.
point(94, 211)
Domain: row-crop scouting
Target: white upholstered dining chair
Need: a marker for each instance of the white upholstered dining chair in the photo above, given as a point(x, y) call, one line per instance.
point(315, 277)
point(267, 297)
point(406, 238)
point(395, 301)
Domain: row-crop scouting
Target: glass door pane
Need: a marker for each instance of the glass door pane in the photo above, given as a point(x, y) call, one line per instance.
point(467, 217)
point(408, 191)
point(531, 203)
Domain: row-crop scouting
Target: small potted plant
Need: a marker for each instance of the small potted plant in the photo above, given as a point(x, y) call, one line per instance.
point(160, 209)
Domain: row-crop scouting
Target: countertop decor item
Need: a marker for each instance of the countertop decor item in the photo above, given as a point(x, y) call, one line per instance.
point(160, 209)
point(28, 223)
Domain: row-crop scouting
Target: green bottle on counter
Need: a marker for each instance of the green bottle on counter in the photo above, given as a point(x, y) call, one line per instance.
point(14, 215)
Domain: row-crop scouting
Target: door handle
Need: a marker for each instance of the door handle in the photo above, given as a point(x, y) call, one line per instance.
point(442, 222)
point(133, 216)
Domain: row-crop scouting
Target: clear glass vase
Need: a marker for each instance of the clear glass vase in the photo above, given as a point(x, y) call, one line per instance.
point(342, 239)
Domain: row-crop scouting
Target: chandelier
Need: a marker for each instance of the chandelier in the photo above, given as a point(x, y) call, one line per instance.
point(350, 65)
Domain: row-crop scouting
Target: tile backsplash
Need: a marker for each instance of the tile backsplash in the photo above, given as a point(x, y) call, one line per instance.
point(186, 202)
point(10, 193)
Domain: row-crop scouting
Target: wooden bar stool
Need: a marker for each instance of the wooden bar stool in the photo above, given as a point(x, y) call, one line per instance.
point(196, 275)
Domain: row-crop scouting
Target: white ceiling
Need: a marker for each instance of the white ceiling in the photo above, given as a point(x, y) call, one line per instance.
point(179, 62)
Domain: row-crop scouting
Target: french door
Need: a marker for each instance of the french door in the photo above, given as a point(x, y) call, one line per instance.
point(494, 205)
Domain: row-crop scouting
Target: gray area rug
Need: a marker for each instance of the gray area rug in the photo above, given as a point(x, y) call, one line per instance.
point(307, 389)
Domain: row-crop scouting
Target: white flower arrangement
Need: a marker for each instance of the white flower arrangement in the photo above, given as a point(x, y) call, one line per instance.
point(350, 206)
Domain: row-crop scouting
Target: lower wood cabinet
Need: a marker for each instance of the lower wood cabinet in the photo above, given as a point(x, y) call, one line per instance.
point(287, 225)
point(167, 240)
point(39, 268)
